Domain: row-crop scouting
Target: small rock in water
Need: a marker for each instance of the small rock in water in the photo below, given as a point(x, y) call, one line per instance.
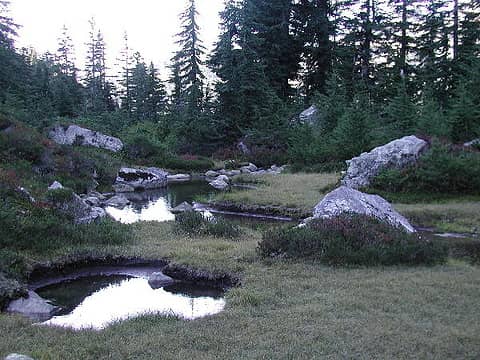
point(118, 201)
point(158, 280)
point(123, 188)
point(178, 178)
point(33, 307)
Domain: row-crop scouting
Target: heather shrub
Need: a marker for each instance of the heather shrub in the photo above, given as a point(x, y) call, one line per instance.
point(351, 240)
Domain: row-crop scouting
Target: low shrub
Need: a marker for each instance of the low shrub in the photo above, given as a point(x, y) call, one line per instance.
point(442, 169)
point(188, 164)
point(9, 290)
point(42, 229)
point(194, 223)
point(60, 195)
point(351, 240)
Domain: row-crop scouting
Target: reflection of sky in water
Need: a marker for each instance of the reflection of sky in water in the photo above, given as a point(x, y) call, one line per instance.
point(157, 210)
point(132, 298)
point(155, 205)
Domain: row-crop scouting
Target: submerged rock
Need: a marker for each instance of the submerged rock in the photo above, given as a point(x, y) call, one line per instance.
point(178, 178)
point(76, 135)
point(33, 307)
point(140, 179)
point(183, 207)
point(118, 201)
point(347, 200)
point(394, 155)
point(158, 280)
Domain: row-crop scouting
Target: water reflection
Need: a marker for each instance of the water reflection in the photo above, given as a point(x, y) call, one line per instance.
point(155, 205)
point(133, 297)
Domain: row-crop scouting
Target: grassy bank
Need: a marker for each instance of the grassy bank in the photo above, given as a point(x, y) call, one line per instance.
point(300, 190)
point(283, 310)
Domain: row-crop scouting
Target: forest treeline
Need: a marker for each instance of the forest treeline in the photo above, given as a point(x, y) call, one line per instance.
point(376, 70)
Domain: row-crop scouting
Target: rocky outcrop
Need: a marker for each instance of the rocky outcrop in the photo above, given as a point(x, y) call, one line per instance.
point(309, 116)
point(347, 200)
point(140, 179)
point(33, 307)
point(76, 135)
point(76, 207)
point(158, 280)
point(394, 155)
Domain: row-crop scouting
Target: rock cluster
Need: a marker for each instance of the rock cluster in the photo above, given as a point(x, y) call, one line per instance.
point(77, 208)
point(221, 179)
point(76, 135)
point(394, 155)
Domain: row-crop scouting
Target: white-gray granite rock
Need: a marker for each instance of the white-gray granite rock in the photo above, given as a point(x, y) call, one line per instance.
point(33, 307)
point(472, 143)
point(394, 155)
point(178, 178)
point(117, 201)
point(55, 186)
point(346, 200)
point(76, 135)
point(18, 357)
point(220, 183)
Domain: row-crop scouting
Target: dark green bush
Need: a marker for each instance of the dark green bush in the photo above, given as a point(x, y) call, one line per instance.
point(9, 290)
point(188, 163)
point(442, 169)
point(194, 223)
point(354, 240)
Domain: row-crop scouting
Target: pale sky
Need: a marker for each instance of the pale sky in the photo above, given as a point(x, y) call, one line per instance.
point(151, 25)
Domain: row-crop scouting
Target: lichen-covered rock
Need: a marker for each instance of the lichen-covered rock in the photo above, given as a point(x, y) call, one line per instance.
point(141, 179)
point(76, 135)
point(33, 307)
point(347, 200)
point(394, 155)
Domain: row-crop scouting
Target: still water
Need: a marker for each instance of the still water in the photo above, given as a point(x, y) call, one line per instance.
point(156, 205)
point(98, 301)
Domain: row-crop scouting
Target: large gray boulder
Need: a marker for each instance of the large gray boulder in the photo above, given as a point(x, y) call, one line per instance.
point(33, 307)
point(117, 201)
point(76, 135)
point(220, 183)
point(347, 200)
point(394, 155)
point(141, 179)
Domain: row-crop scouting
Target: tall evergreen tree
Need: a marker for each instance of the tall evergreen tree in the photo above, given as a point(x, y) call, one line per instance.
point(8, 28)
point(313, 29)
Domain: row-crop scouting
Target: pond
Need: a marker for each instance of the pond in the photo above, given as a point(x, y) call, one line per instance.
point(156, 205)
point(95, 302)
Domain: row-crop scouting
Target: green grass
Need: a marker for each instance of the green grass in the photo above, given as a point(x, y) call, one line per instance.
point(300, 190)
point(284, 310)
point(452, 216)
